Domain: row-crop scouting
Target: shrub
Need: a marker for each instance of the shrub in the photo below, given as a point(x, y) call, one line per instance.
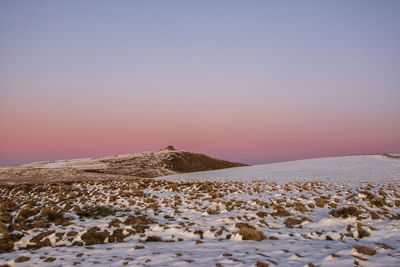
point(39, 244)
point(49, 259)
point(135, 220)
point(250, 233)
point(117, 236)
point(361, 231)
point(95, 236)
point(95, 212)
point(206, 187)
point(300, 207)
point(345, 212)
point(290, 222)
point(3, 228)
point(27, 212)
point(281, 212)
point(72, 233)
point(22, 259)
point(114, 223)
point(153, 238)
point(8, 206)
point(374, 215)
point(320, 202)
point(53, 215)
point(40, 236)
point(212, 211)
point(7, 242)
point(200, 233)
point(379, 202)
point(364, 250)
point(261, 214)
point(261, 264)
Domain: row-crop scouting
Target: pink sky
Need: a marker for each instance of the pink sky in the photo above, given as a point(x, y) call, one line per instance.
point(254, 136)
point(252, 83)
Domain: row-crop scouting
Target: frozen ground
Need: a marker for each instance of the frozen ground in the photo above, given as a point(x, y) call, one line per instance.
point(354, 169)
point(322, 212)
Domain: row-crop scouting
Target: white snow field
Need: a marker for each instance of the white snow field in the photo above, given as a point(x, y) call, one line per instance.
point(342, 211)
point(353, 169)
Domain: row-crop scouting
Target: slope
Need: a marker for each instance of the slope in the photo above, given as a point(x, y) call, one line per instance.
point(147, 164)
point(367, 168)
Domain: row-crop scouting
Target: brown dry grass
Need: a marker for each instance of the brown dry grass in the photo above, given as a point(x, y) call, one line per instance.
point(154, 238)
point(250, 233)
point(95, 236)
point(53, 215)
point(95, 211)
point(364, 250)
point(290, 222)
point(7, 242)
point(138, 197)
point(261, 264)
point(280, 212)
point(361, 231)
point(22, 259)
point(345, 212)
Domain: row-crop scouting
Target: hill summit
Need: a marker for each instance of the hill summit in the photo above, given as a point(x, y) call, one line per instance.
point(146, 164)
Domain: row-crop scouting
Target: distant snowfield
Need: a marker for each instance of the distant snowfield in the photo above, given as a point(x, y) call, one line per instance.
point(366, 168)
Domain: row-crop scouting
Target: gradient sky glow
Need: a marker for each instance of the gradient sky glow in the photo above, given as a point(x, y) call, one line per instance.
point(249, 81)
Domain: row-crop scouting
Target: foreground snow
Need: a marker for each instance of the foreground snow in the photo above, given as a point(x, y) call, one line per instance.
point(353, 169)
point(322, 212)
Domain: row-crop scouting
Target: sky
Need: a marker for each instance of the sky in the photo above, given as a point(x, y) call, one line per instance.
point(248, 81)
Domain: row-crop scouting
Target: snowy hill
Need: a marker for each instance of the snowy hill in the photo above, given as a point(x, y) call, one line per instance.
point(365, 168)
point(146, 164)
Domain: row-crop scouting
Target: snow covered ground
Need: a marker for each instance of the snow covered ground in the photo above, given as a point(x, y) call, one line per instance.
point(350, 169)
point(322, 212)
